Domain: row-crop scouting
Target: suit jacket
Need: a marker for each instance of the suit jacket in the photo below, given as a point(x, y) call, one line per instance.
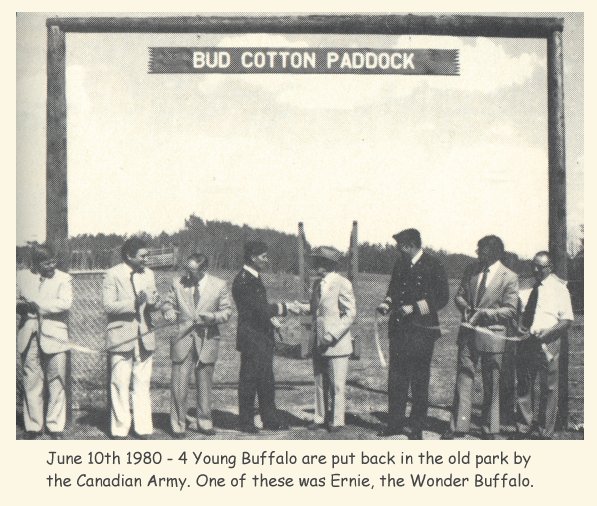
point(54, 296)
point(500, 299)
point(423, 285)
point(213, 298)
point(255, 333)
point(333, 314)
point(125, 323)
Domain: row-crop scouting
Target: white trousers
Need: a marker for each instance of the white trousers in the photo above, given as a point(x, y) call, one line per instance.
point(40, 368)
point(138, 364)
point(330, 389)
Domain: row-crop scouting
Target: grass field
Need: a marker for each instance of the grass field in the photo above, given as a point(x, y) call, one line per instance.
point(367, 380)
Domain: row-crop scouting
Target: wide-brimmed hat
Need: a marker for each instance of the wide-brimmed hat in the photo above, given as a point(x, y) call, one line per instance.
point(327, 252)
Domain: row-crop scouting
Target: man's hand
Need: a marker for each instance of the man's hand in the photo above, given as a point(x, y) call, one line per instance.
point(170, 316)
point(478, 317)
point(275, 321)
point(405, 310)
point(293, 308)
point(383, 309)
point(541, 334)
point(153, 298)
point(298, 308)
point(141, 298)
point(207, 317)
point(328, 339)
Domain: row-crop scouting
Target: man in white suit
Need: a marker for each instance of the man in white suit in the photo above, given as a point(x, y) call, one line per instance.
point(129, 294)
point(199, 302)
point(333, 308)
point(44, 296)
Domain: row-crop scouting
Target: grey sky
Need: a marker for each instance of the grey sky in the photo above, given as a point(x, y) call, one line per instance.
point(458, 157)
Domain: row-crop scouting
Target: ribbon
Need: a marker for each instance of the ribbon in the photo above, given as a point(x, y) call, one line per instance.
point(382, 359)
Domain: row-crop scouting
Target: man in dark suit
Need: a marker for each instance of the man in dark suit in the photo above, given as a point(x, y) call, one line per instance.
point(418, 290)
point(255, 341)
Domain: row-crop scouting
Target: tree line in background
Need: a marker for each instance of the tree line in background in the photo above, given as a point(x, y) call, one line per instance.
point(223, 242)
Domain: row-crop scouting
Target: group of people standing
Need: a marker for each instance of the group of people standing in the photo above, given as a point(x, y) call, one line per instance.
point(198, 302)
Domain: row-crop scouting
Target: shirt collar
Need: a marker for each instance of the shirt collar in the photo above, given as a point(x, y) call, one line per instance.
point(552, 278)
point(133, 271)
point(416, 258)
point(493, 266)
point(250, 270)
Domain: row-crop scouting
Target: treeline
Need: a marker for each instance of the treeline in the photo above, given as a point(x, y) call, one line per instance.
point(223, 243)
point(379, 258)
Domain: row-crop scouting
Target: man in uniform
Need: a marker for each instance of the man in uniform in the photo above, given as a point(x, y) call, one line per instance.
point(129, 294)
point(199, 302)
point(255, 341)
point(44, 296)
point(487, 298)
point(547, 316)
point(418, 290)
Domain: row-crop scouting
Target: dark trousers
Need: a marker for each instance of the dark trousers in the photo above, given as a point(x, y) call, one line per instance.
point(410, 366)
point(536, 404)
point(257, 378)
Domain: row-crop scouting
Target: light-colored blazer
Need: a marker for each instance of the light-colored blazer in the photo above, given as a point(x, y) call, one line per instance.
point(119, 304)
point(500, 300)
point(54, 296)
point(334, 315)
point(214, 298)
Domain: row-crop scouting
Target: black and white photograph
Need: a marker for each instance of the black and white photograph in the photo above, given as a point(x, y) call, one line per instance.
point(338, 226)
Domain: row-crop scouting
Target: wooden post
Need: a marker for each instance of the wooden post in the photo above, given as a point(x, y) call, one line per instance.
point(56, 174)
point(557, 191)
point(353, 271)
point(302, 267)
point(304, 289)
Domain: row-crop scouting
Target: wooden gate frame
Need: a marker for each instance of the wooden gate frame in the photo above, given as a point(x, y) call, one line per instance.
point(549, 29)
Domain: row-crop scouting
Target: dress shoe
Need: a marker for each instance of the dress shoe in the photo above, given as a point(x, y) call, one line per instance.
point(487, 436)
point(118, 438)
point(450, 434)
point(520, 436)
point(542, 437)
point(206, 432)
point(31, 434)
point(143, 437)
point(390, 430)
point(316, 426)
point(416, 434)
point(179, 435)
point(248, 428)
point(335, 428)
point(275, 426)
point(57, 436)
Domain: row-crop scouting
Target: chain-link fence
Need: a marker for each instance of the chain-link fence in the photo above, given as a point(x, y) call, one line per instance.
point(367, 381)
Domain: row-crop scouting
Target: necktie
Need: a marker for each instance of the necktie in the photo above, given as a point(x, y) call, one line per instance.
point(481, 288)
point(316, 295)
point(529, 311)
point(196, 295)
point(137, 314)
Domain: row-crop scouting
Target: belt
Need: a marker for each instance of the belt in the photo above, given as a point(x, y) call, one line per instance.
point(124, 317)
point(55, 317)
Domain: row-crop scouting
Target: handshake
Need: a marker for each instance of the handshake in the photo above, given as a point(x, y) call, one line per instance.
point(298, 308)
point(142, 297)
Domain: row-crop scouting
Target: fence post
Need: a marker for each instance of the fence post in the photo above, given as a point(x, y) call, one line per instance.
point(353, 271)
point(304, 289)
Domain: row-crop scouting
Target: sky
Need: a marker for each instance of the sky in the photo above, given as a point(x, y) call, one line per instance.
point(457, 157)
